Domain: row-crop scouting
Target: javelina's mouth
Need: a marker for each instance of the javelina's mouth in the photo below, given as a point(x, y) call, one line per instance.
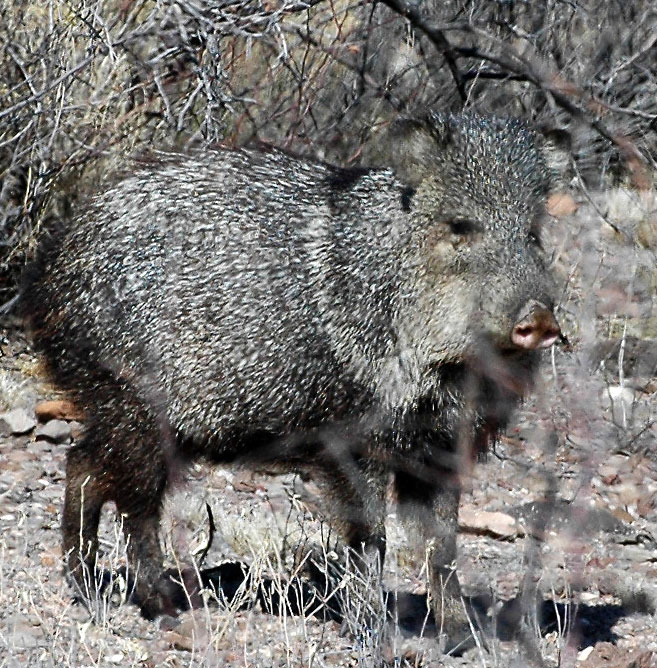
point(484, 395)
point(509, 370)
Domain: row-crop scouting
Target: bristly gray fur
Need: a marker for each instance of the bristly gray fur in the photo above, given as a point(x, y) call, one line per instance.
point(236, 299)
point(243, 287)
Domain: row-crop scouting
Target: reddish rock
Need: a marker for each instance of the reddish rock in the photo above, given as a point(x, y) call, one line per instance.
point(606, 655)
point(561, 204)
point(496, 524)
point(58, 409)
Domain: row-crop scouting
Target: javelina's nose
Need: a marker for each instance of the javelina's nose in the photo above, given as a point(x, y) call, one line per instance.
point(536, 327)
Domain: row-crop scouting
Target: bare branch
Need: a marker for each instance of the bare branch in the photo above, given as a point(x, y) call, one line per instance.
point(435, 34)
point(564, 92)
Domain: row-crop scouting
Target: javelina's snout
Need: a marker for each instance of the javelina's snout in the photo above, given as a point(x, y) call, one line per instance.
point(536, 327)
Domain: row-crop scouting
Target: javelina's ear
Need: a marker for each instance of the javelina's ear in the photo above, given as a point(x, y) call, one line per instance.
point(557, 149)
point(414, 145)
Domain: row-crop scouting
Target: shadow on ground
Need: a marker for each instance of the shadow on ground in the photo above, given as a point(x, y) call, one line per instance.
point(590, 624)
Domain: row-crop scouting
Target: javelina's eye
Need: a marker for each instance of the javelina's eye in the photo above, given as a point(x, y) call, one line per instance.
point(407, 198)
point(462, 227)
point(534, 239)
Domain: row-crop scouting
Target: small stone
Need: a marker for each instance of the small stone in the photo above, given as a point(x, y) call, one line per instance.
point(23, 636)
point(622, 515)
point(179, 642)
point(77, 429)
point(497, 524)
point(561, 204)
point(16, 422)
point(168, 623)
point(638, 554)
point(47, 559)
point(39, 448)
point(588, 597)
point(614, 464)
point(584, 654)
point(56, 431)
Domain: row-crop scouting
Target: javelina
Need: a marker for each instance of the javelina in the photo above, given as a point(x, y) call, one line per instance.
point(245, 305)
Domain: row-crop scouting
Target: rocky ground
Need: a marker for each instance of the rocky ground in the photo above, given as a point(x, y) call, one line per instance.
point(559, 523)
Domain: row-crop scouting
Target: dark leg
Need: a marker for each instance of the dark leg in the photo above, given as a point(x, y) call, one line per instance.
point(431, 511)
point(121, 459)
point(354, 503)
point(151, 590)
point(354, 494)
point(84, 499)
point(141, 478)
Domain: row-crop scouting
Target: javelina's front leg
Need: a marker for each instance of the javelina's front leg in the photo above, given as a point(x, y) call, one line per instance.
point(354, 502)
point(430, 509)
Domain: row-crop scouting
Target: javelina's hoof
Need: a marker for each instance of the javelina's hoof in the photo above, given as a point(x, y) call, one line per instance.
point(156, 604)
point(466, 631)
point(89, 583)
point(93, 587)
point(174, 591)
point(458, 641)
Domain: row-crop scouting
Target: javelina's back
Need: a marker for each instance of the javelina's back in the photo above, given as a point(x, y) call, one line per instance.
point(237, 303)
point(212, 283)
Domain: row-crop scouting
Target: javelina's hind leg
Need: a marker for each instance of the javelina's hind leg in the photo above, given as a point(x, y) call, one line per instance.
point(120, 459)
point(84, 499)
point(140, 486)
point(145, 558)
point(431, 511)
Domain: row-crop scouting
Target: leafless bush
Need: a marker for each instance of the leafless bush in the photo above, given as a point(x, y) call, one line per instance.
point(84, 84)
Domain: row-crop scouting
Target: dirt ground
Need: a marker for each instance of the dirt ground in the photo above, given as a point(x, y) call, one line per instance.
point(558, 525)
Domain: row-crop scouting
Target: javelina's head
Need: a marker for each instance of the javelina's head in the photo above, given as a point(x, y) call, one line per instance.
point(476, 191)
